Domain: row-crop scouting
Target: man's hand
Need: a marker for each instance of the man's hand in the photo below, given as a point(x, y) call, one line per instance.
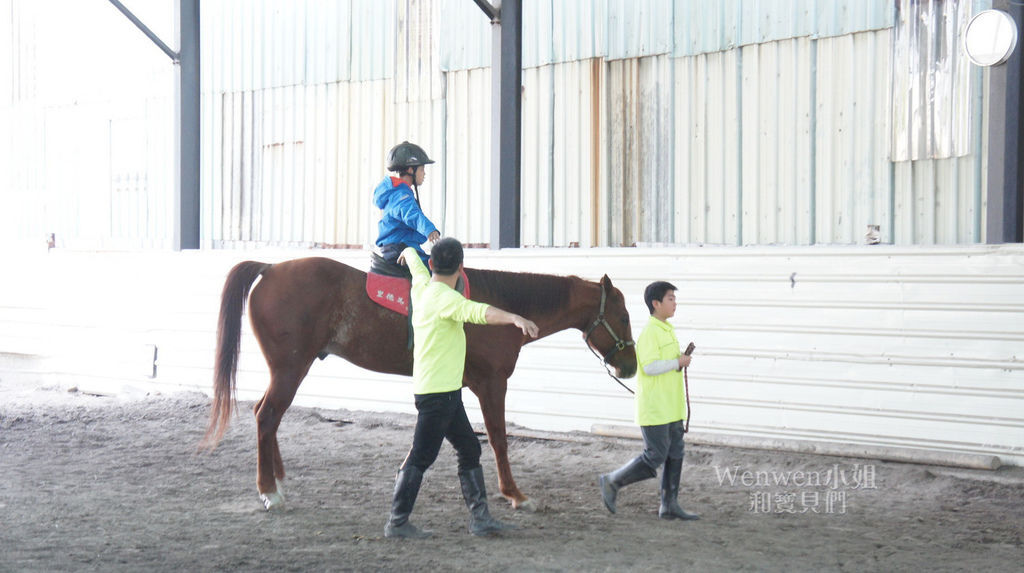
point(526, 325)
point(401, 259)
point(434, 237)
point(684, 361)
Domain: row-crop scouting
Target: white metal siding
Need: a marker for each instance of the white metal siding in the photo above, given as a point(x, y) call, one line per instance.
point(864, 345)
point(853, 176)
point(561, 172)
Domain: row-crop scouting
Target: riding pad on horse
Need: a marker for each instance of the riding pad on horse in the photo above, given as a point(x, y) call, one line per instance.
point(388, 284)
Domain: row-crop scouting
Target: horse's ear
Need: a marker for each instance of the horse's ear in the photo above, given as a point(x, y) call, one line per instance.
point(606, 282)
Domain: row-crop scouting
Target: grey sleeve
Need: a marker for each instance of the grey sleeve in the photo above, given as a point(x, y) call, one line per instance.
point(661, 367)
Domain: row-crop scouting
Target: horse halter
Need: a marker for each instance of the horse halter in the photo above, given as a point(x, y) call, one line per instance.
point(620, 344)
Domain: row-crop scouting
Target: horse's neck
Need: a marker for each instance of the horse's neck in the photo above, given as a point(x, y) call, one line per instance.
point(527, 294)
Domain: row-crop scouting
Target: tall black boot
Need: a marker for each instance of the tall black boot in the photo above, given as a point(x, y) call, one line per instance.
point(670, 492)
point(475, 494)
point(407, 487)
point(632, 472)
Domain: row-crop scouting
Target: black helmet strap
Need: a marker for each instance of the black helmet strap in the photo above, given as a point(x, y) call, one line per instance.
point(411, 171)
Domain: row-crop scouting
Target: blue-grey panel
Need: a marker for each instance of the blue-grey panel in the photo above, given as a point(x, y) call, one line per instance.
point(255, 44)
point(554, 31)
point(465, 36)
point(639, 28)
point(704, 26)
point(577, 29)
point(372, 39)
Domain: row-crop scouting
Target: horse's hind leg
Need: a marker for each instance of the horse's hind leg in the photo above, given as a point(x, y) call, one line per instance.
point(269, 411)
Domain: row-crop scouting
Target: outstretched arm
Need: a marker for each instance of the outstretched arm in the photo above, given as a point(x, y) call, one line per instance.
point(497, 316)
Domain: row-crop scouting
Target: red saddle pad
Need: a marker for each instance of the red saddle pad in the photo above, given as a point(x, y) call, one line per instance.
point(390, 292)
point(393, 292)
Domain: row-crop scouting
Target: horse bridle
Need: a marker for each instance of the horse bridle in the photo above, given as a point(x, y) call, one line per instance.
point(620, 344)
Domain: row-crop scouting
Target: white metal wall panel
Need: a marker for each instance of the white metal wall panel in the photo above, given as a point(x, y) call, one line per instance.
point(938, 201)
point(864, 345)
point(561, 165)
point(640, 202)
point(418, 75)
point(854, 177)
point(777, 165)
point(467, 171)
point(537, 171)
point(707, 149)
point(295, 165)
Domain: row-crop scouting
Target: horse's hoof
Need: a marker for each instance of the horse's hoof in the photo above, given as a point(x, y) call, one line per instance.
point(272, 501)
point(527, 505)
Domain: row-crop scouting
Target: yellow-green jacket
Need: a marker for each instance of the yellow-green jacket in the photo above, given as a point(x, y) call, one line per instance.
point(438, 312)
point(659, 399)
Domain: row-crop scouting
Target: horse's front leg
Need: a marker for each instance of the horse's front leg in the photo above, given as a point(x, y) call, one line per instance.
point(491, 394)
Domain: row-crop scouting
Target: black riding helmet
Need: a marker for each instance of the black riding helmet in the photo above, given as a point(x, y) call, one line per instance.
point(406, 155)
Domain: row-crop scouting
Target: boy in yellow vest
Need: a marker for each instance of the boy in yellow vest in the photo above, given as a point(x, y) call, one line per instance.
point(660, 407)
point(439, 358)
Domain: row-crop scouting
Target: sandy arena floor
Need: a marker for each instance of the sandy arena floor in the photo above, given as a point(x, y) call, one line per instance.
point(113, 484)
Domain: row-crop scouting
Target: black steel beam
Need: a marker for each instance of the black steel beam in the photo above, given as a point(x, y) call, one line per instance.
point(488, 9)
point(506, 124)
point(1005, 207)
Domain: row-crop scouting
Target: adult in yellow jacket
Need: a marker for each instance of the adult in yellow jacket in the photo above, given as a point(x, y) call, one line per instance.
point(660, 407)
point(439, 358)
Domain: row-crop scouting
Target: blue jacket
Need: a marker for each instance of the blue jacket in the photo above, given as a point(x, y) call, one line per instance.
point(402, 220)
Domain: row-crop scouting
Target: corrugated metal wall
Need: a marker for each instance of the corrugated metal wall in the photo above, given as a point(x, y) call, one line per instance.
point(298, 100)
point(770, 121)
point(658, 122)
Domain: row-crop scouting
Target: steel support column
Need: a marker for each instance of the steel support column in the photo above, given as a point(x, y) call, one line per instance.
point(187, 112)
point(1005, 223)
point(506, 124)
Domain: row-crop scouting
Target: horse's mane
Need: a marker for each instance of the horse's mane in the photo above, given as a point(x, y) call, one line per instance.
point(528, 294)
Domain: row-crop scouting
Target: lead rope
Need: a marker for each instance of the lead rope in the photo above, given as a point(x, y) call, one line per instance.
point(609, 370)
point(686, 388)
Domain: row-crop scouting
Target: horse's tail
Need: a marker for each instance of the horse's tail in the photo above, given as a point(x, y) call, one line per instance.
point(229, 334)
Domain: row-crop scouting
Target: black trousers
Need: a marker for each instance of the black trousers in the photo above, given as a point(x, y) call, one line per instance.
point(442, 417)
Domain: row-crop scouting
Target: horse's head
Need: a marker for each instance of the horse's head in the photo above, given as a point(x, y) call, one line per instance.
point(608, 332)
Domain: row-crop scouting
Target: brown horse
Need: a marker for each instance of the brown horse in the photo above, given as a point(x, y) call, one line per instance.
point(310, 307)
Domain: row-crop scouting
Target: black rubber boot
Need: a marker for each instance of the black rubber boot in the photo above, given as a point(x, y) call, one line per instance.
point(670, 492)
point(407, 487)
point(475, 494)
point(632, 472)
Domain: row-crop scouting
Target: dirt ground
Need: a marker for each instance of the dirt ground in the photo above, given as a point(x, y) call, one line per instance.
point(114, 484)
